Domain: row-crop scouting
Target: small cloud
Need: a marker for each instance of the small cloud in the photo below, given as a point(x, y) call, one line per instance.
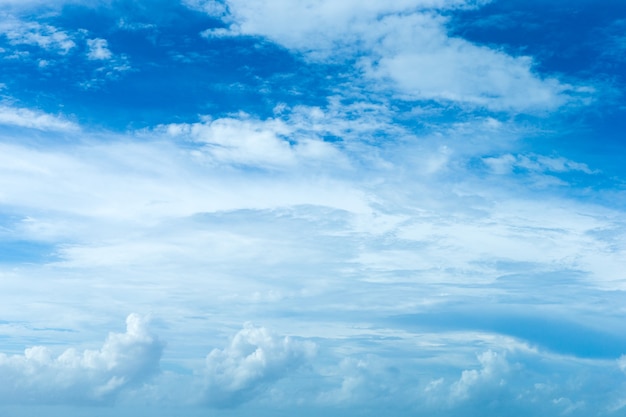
point(230, 32)
point(98, 49)
point(213, 8)
point(506, 164)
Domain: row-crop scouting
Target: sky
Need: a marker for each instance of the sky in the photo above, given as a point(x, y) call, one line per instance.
point(345, 208)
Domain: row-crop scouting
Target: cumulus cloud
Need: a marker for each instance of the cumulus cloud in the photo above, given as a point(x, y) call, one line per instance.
point(493, 366)
point(91, 376)
point(250, 364)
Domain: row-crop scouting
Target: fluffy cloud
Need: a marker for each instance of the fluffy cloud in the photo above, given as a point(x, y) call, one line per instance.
point(271, 143)
point(489, 376)
point(250, 364)
point(402, 45)
point(321, 28)
point(98, 49)
point(91, 376)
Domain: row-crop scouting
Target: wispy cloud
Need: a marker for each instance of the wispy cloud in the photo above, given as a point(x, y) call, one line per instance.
point(34, 119)
point(45, 36)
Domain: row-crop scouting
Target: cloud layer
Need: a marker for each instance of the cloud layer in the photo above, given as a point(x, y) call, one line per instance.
point(427, 214)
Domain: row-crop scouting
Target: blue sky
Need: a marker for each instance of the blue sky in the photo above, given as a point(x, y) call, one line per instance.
point(271, 207)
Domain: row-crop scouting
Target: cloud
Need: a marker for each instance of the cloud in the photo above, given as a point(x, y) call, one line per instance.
point(403, 46)
point(230, 32)
point(44, 36)
point(321, 28)
point(370, 380)
point(34, 119)
point(91, 376)
point(253, 361)
point(98, 49)
point(436, 67)
point(213, 8)
point(272, 143)
point(507, 163)
point(493, 366)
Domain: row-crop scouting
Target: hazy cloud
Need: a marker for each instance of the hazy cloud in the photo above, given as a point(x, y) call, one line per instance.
point(505, 164)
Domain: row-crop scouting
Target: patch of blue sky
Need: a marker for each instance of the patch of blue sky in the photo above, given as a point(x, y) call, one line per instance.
point(199, 75)
point(18, 252)
point(546, 331)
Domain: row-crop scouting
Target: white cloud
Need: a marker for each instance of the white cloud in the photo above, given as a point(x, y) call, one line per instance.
point(229, 32)
point(213, 8)
point(41, 377)
point(320, 27)
point(426, 64)
point(505, 164)
point(392, 231)
point(98, 49)
point(402, 45)
point(271, 143)
point(33, 33)
point(493, 366)
point(253, 361)
point(34, 119)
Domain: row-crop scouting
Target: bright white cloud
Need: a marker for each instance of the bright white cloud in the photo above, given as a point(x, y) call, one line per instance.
point(403, 45)
point(272, 143)
point(34, 119)
point(41, 377)
point(250, 364)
